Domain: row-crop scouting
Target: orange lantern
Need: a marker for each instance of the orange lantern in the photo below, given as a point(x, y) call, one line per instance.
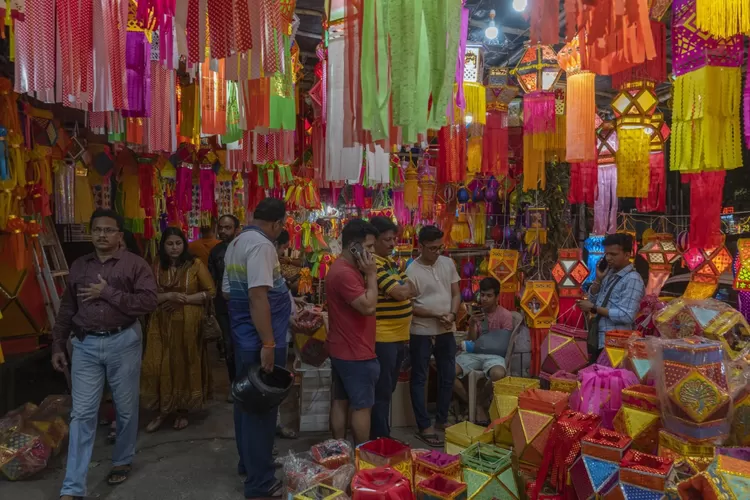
point(503, 267)
point(581, 104)
point(541, 305)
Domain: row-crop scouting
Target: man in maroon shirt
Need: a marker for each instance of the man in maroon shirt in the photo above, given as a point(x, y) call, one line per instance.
point(107, 291)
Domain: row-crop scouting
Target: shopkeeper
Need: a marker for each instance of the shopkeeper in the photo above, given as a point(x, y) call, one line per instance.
point(615, 296)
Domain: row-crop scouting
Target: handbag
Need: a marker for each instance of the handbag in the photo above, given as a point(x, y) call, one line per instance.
point(592, 340)
point(210, 329)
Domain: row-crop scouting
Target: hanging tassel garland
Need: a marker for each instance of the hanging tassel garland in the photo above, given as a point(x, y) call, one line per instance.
point(633, 163)
point(723, 18)
point(580, 117)
point(495, 144)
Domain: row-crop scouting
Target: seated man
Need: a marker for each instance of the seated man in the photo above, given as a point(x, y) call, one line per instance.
point(495, 323)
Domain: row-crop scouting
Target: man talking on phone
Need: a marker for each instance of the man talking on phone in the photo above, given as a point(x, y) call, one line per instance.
point(352, 296)
point(615, 296)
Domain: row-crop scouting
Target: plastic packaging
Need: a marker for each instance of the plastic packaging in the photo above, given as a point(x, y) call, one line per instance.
point(601, 391)
point(332, 453)
point(301, 473)
point(310, 332)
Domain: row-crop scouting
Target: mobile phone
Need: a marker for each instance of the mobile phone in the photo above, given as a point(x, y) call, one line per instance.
point(602, 264)
point(357, 249)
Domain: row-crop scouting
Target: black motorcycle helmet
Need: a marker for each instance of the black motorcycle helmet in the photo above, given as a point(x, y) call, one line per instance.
point(259, 392)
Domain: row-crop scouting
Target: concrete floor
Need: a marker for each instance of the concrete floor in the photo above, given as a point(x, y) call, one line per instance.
point(199, 462)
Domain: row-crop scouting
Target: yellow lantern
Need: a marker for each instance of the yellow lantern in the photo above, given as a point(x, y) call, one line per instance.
point(541, 305)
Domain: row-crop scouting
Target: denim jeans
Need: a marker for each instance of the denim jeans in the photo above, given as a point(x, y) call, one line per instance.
point(255, 433)
point(226, 331)
point(118, 358)
point(391, 356)
point(420, 349)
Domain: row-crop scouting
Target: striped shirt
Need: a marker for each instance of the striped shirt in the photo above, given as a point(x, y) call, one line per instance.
point(393, 317)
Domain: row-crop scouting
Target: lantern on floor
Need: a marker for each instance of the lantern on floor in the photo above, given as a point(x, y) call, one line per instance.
point(633, 106)
point(384, 452)
point(616, 347)
point(381, 483)
point(537, 412)
point(706, 266)
point(581, 105)
point(638, 362)
point(495, 140)
point(660, 252)
point(488, 472)
point(594, 245)
point(596, 470)
point(540, 303)
point(440, 487)
point(537, 73)
point(536, 225)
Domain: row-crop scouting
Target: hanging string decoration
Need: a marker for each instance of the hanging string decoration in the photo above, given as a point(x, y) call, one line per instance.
point(660, 251)
point(706, 115)
point(581, 105)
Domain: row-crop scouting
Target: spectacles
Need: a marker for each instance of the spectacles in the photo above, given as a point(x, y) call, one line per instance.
point(439, 249)
point(105, 230)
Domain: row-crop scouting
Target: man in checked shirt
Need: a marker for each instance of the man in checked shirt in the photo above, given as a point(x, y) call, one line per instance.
point(615, 296)
point(107, 291)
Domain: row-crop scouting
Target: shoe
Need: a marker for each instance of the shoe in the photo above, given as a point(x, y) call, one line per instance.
point(274, 492)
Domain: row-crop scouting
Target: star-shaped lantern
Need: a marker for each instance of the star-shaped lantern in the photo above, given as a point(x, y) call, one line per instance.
point(706, 266)
point(570, 272)
point(660, 252)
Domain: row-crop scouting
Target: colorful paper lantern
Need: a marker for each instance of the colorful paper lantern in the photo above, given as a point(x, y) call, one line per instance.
point(706, 266)
point(385, 452)
point(660, 252)
point(381, 483)
point(538, 69)
point(537, 412)
point(642, 476)
point(742, 275)
point(581, 103)
point(488, 472)
point(638, 362)
point(564, 348)
point(440, 487)
point(615, 347)
point(695, 454)
point(434, 462)
point(596, 470)
point(505, 404)
point(639, 417)
point(460, 436)
point(541, 305)
point(570, 272)
point(563, 381)
point(594, 245)
point(725, 477)
point(503, 266)
point(535, 221)
point(320, 492)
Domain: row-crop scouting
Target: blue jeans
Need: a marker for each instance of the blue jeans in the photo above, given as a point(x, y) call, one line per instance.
point(420, 349)
point(391, 356)
point(119, 359)
point(255, 433)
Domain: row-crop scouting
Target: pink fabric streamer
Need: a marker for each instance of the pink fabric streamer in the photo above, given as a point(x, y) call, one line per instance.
point(583, 183)
point(657, 187)
point(399, 209)
point(160, 124)
point(746, 107)
point(460, 60)
point(184, 189)
point(138, 65)
point(35, 48)
point(539, 113)
point(598, 382)
point(208, 187)
point(358, 195)
point(605, 207)
point(75, 50)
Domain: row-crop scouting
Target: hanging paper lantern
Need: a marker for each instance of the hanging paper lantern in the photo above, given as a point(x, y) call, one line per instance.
point(462, 195)
point(536, 225)
point(541, 305)
point(581, 105)
point(503, 266)
point(467, 295)
point(682, 241)
point(495, 140)
point(594, 245)
point(467, 269)
point(478, 193)
point(491, 191)
point(706, 266)
point(660, 252)
point(742, 274)
point(570, 272)
point(471, 98)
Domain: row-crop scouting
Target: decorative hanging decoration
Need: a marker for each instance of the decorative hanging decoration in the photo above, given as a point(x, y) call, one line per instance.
point(581, 105)
point(706, 115)
point(657, 187)
point(570, 272)
point(742, 273)
point(594, 245)
point(536, 225)
point(705, 208)
point(706, 265)
point(660, 251)
point(411, 187)
point(495, 140)
point(723, 18)
point(472, 92)
point(540, 303)
point(503, 266)
point(653, 70)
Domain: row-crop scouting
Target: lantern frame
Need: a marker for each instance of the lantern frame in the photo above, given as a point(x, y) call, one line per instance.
point(473, 64)
point(499, 89)
point(635, 103)
point(660, 132)
point(707, 264)
point(570, 272)
point(540, 303)
point(607, 143)
point(538, 69)
point(660, 252)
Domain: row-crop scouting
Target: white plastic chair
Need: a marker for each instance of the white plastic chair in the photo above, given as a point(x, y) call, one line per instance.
point(476, 375)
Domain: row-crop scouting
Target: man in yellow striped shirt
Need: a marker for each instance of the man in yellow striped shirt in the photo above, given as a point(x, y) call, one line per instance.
point(393, 321)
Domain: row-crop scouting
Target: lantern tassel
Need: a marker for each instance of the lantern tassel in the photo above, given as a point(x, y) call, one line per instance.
point(633, 163)
point(581, 113)
point(539, 113)
point(723, 18)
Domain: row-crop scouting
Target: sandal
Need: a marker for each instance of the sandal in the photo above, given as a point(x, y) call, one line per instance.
point(118, 475)
point(432, 439)
point(285, 433)
point(180, 423)
point(156, 423)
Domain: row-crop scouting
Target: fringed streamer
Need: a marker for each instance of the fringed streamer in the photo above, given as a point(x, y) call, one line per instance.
point(147, 196)
point(495, 144)
point(706, 120)
point(351, 82)
point(723, 18)
point(243, 38)
point(654, 70)
point(553, 143)
point(746, 108)
point(161, 125)
point(358, 195)
point(207, 189)
point(213, 100)
point(192, 31)
point(605, 207)
point(234, 133)
point(460, 101)
point(475, 101)
point(75, 49)
point(543, 25)
point(411, 189)
point(221, 28)
point(184, 188)
point(138, 64)
point(633, 163)
point(134, 131)
point(257, 103)
point(583, 183)
point(273, 147)
point(443, 22)
point(534, 175)
point(374, 71)
point(474, 163)
point(270, 16)
point(580, 118)
point(399, 207)
point(478, 223)
point(35, 48)
point(451, 154)
point(538, 113)
point(706, 191)
point(657, 186)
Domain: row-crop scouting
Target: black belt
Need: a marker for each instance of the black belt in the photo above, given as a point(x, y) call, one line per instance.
point(81, 333)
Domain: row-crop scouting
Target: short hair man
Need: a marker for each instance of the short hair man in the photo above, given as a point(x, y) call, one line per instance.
point(229, 226)
point(615, 296)
point(202, 247)
point(435, 311)
point(259, 310)
point(108, 290)
point(352, 293)
point(393, 321)
point(491, 319)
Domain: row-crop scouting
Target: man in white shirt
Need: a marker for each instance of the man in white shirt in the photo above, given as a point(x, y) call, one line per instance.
point(435, 311)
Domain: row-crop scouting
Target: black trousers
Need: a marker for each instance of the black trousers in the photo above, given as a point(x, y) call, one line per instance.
point(226, 331)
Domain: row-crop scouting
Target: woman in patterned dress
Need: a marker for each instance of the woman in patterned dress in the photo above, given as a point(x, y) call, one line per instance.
point(175, 376)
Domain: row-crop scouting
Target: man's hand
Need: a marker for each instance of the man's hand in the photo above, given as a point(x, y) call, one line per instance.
point(94, 291)
point(59, 362)
point(412, 287)
point(586, 306)
point(447, 320)
point(366, 263)
point(600, 275)
point(267, 359)
point(179, 298)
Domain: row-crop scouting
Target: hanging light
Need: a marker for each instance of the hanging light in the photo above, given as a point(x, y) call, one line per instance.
point(491, 31)
point(519, 5)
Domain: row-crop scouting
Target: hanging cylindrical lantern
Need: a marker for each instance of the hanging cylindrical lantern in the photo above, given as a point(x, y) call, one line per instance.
point(495, 140)
point(473, 98)
point(581, 105)
point(570, 272)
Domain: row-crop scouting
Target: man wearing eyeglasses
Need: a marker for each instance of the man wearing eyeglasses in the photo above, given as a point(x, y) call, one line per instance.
point(435, 310)
point(107, 291)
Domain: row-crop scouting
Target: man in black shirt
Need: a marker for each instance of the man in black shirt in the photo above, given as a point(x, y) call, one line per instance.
point(229, 225)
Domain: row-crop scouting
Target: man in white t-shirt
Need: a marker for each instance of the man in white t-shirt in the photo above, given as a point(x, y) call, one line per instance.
point(435, 311)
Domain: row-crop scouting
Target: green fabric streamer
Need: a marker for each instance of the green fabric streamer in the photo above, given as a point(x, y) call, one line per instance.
point(443, 30)
point(234, 132)
point(374, 73)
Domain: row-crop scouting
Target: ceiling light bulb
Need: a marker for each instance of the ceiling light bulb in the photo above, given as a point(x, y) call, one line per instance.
point(519, 5)
point(469, 119)
point(491, 31)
